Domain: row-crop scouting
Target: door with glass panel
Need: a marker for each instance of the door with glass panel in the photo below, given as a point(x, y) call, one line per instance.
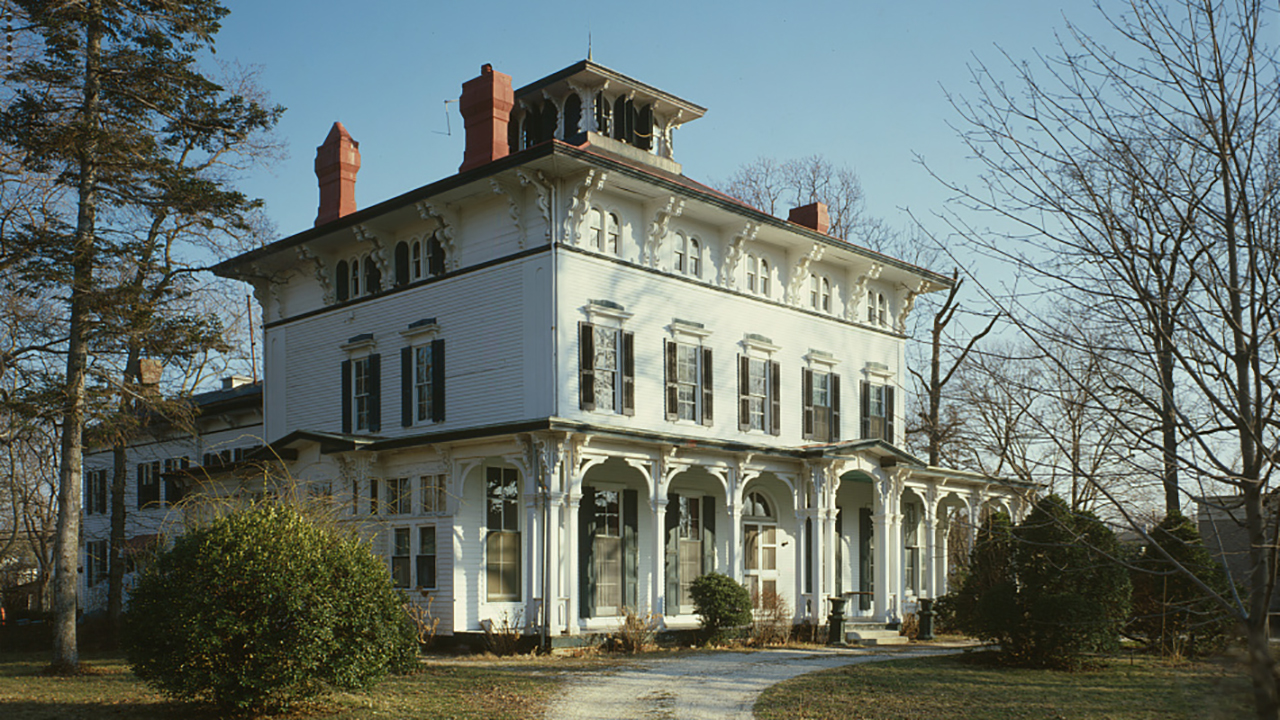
point(760, 551)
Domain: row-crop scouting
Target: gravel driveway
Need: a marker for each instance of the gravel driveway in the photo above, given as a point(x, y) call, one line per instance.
point(717, 686)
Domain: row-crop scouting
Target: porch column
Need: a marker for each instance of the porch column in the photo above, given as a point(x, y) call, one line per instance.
point(930, 561)
point(555, 566)
point(532, 559)
point(880, 560)
point(658, 591)
point(944, 556)
point(798, 534)
point(734, 510)
point(571, 534)
point(829, 541)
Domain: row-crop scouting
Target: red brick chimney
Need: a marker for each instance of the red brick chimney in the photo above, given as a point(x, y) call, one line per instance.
point(486, 111)
point(337, 162)
point(813, 216)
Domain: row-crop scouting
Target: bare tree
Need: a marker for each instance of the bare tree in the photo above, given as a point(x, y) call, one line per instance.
point(1136, 182)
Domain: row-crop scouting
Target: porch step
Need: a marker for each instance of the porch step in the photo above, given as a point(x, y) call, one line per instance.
point(872, 635)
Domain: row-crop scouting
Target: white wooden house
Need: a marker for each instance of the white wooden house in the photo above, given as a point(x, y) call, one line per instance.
point(569, 379)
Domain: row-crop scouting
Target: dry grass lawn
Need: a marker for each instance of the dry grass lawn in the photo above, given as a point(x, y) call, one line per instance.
point(967, 687)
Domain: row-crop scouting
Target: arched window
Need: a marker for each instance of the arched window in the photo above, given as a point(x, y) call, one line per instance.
point(871, 307)
point(681, 250)
point(402, 263)
point(572, 115)
point(595, 231)
point(695, 257)
point(757, 506)
point(344, 279)
point(435, 257)
point(883, 308)
point(751, 273)
point(355, 277)
point(813, 291)
point(760, 548)
point(764, 277)
point(826, 295)
point(614, 230)
point(604, 114)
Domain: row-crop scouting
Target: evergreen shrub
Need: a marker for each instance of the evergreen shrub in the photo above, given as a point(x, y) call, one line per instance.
point(721, 603)
point(264, 607)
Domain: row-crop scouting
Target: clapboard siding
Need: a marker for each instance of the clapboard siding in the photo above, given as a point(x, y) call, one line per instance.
point(655, 300)
point(496, 327)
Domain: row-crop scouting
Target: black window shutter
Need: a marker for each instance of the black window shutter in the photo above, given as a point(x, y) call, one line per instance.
point(744, 393)
point(672, 389)
point(375, 393)
point(671, 526)
point(708, 387)
point(839, 589)
point(340, 274)
point(586, 366)
point(402, 263)
point(437, 380)
point(407, 401)
point(435, 257)
point(808, 555)
point(865, 387)
point(835, 408)
point(587, 540)
point(806, 390)
point(628, 373)
point(346, 396)
point(888, 414)
point(630, 548)
point(775, 397)
point(708, 534)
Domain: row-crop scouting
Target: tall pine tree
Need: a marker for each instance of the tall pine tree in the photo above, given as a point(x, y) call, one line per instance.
point(112, 103)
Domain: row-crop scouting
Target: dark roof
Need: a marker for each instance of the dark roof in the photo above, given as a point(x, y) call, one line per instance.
point(594, 155)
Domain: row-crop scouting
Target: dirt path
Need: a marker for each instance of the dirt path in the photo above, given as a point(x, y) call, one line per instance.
point(718, 686)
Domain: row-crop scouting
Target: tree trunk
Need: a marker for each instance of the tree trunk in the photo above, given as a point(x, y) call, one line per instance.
point(66, 655)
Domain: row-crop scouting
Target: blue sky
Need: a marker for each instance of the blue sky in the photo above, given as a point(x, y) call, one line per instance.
point(863, 83)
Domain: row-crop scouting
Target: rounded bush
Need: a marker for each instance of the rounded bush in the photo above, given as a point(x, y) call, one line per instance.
point(720, 602)
point(263, 607)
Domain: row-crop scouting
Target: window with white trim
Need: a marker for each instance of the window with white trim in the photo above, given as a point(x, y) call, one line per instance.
point(426, 558)
point(689, 537)
point(149, 484)
point(362, 393)
point(606, 363)
point(821, 405)
point(502, 542)
point(399, 496)
point(356, 277)
point(400, 553)
point(688, 374)
point(878, 411)
point(95, 562)
point(760, 546)
point(911, 545)
point(95, 494)
point(759, 380)
point(432, 493)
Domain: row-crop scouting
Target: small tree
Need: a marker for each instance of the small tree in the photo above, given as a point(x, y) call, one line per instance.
point(1170, 610)
point(721, 603)
point(263, 607)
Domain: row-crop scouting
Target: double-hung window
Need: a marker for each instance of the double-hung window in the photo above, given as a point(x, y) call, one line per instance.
point(502, 542)
point(432, 489)
point(911, 543)
point(758, 395)
point(361, 388)
point(399, 497)
point(96, 567)
point(422, 375)
point(426, 559)
point(95, 496)
point(606, 369)
point(400, 553)
point(175, 488)
point(821, 406)
point(878, 411)
point(688, 382)
point(149, 484)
